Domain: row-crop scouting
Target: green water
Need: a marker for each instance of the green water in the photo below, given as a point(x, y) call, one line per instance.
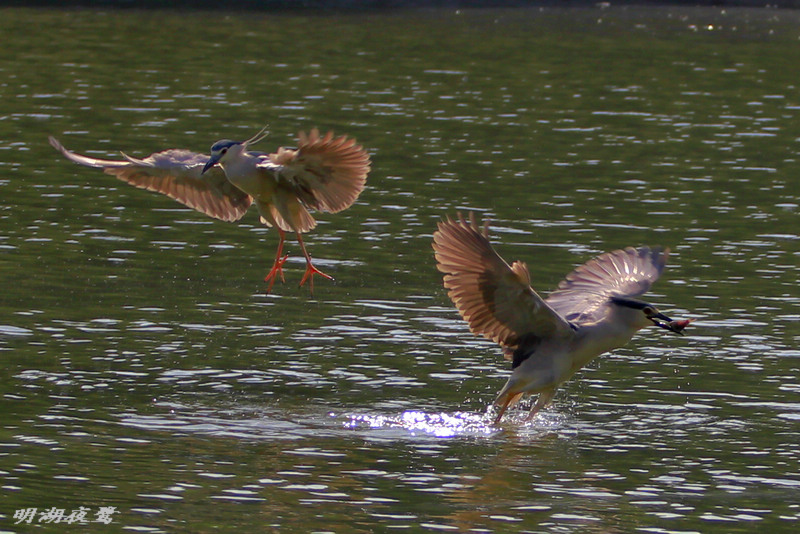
point(144, 368)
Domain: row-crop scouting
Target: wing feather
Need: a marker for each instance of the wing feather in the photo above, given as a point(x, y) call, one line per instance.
point(327, 173)
point(494, 298)
point(177, 174)
point(584, 294)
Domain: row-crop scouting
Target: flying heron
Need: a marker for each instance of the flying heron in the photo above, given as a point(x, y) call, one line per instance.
point(322, 173)
point(593, 311)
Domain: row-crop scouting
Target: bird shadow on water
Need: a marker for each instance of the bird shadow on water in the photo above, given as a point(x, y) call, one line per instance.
point(272, 423)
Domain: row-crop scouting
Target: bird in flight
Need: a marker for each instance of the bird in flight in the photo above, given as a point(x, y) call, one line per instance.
point(323, 173)
point(594, 310)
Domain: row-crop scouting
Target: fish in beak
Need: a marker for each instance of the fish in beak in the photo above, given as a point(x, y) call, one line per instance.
point(676, 327)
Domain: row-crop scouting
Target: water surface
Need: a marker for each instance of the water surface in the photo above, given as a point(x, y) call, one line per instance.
point(144, 367)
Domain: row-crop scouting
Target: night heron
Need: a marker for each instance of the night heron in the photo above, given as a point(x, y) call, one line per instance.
point(547, 340)
point(322, 173)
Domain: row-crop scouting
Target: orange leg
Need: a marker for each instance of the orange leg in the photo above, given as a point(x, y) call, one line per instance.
point(310, 269)
point(277, 266)
point(510, 400)
point(544, 399)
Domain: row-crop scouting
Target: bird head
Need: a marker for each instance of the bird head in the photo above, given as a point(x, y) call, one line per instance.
point(645, 314)
point(225, 148)
point(221, 150)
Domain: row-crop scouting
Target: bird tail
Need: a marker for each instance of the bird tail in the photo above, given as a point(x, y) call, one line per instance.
point(288, 215)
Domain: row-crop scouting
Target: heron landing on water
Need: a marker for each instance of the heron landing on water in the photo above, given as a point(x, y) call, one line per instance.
point(322, 173)
point(547, 340)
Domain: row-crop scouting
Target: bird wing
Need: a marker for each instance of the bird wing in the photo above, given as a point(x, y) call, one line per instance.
point(583, 296)
point(494, 298)
point(177, 174)
point(326, 173)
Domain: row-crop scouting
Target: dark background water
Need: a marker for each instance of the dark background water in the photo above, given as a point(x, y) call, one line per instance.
point(144, 367)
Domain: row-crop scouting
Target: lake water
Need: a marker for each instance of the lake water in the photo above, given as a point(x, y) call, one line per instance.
point(145, 369)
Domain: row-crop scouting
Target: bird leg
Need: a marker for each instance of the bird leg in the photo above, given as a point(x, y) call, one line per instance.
point(310, 269)
point(544, 399)
point(510, 400)
point(277, 266)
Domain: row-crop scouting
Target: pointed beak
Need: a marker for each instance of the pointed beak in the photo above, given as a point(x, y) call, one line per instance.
point(211, 162)
point(676, 327)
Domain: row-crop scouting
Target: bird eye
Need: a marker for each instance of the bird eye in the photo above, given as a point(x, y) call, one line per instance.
point(223, 151)
point(648, 311)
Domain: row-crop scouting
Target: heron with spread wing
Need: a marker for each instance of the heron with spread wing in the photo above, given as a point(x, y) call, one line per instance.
point(323, 173)
point(593, 311)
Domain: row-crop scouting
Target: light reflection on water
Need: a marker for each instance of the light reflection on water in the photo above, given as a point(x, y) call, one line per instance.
point(254, 423)
point(439, 425)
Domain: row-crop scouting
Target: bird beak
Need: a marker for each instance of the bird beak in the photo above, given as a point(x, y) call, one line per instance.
point(676, 327)
point(211, 162)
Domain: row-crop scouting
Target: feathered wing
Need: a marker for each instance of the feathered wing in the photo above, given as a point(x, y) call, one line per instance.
point(584, 294)
point(494, 298)
point(326, 173)
point(175, 173)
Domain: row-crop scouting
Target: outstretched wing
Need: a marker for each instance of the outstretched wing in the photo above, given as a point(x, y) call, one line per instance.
point(494, 298)
point(326, 173)
point(175, 173)
point(583, 296)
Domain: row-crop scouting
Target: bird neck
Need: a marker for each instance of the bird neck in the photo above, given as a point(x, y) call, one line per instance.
point(239, 162)
point(611, 333)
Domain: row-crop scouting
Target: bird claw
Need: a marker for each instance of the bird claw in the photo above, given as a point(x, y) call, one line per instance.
point(309, 276)
point(277, 269)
